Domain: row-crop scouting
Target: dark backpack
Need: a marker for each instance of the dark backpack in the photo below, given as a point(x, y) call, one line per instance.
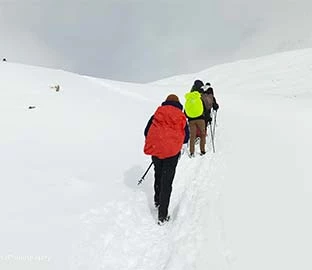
point(208, 100)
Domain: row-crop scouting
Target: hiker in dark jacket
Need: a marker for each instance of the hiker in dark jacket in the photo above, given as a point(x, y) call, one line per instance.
point(210, 103)
point(165, 133)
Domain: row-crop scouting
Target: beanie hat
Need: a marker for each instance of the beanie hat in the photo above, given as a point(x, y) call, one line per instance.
point(198, 84)
point(172, 97)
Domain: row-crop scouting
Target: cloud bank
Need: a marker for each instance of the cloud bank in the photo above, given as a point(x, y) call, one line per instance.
point(147, 40)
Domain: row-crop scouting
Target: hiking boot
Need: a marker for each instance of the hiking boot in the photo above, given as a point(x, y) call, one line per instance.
point(162, 221)
point(191, 155)
point(202, 153)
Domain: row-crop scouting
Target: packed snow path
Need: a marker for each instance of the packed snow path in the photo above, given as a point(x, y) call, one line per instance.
point(132, 232)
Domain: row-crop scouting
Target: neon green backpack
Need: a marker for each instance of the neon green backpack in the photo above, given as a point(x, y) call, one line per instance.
point(193, 105)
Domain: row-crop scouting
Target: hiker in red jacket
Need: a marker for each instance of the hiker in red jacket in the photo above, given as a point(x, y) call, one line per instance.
point(165, 133)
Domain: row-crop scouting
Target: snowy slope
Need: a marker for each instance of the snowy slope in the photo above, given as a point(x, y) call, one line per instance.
point(70, 169)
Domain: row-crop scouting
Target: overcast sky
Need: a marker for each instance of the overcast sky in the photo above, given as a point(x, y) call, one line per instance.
point(145, 40)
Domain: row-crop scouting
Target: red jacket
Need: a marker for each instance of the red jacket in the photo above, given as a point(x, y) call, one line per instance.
point(166, 133)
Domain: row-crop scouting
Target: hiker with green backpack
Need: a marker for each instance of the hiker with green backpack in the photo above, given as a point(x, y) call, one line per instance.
point(194, 111)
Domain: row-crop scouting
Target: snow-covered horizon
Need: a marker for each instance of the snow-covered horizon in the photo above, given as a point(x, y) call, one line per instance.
point(70, 167)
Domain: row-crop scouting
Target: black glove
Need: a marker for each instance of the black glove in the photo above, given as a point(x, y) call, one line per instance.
point(209, 120)
point(215, 106)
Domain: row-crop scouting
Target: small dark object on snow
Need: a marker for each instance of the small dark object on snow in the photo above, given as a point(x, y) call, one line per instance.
point(56, 87)
point(31, 107)
point(4, 60)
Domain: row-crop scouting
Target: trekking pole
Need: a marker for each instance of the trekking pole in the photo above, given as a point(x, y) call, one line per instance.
point(214, 123)
point(212, 139)
point(141, 180)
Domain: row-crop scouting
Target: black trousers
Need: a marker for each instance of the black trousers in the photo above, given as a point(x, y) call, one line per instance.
point(164, 174)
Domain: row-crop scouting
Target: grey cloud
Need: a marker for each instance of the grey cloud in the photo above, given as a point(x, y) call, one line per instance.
point(145, 40)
